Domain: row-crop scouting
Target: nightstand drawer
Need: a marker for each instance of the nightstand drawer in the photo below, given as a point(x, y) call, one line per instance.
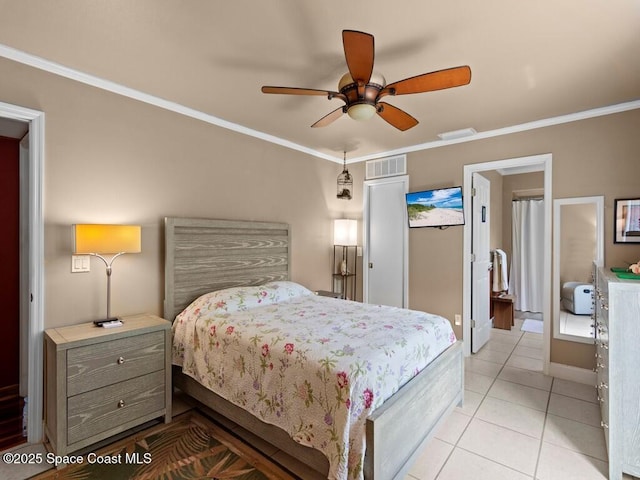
point(95, 366)
point(97, 411)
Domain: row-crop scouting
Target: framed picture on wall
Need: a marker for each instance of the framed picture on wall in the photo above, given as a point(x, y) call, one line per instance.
point(627, 220)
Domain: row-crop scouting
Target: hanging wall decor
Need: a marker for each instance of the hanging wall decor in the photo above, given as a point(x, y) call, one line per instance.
point(627, 220)
point(345, 182)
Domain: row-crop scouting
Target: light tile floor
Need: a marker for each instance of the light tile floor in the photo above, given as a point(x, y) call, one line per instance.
point(517, 423)
point(571, 324)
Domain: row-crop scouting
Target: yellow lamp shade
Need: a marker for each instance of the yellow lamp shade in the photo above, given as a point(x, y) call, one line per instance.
point(91, 238)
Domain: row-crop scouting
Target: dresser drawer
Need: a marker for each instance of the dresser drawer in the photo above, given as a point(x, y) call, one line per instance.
point(95, 366)
point(97, 411)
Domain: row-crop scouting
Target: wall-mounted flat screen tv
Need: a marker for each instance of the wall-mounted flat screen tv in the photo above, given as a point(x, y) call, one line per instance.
point(440, 207)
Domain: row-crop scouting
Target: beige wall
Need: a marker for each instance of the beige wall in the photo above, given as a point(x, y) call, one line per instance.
point(110, 159)
point(591, 157)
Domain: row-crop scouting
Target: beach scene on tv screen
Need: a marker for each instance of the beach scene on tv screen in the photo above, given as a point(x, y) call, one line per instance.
point(434, 208)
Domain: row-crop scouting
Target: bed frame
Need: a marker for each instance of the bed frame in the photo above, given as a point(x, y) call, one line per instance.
point(205, 255)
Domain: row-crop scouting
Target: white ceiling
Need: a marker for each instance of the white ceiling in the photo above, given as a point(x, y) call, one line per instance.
point(530, 61)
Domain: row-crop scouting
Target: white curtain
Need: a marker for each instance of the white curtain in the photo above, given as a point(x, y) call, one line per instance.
point(526, 281)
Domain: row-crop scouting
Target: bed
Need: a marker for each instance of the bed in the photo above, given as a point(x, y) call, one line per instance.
point(239, 270)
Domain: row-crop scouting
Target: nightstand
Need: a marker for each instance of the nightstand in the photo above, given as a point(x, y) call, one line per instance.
point(103, 381)
point(326, 293)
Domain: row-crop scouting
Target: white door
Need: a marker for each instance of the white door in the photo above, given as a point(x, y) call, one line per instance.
point(385, 240)
point(480, 266)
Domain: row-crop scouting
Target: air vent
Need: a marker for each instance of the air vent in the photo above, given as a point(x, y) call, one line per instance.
point(386, 167)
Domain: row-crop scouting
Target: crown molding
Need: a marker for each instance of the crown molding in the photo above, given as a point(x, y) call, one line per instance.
point(72, 74)
point(523, 127)
point(119, 89)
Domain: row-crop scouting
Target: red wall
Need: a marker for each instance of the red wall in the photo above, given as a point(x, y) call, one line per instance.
point(9, 261)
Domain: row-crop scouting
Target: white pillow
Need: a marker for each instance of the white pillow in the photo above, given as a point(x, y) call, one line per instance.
point(237, 299)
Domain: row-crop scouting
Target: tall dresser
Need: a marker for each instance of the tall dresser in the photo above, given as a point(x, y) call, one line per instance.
point(617, 316)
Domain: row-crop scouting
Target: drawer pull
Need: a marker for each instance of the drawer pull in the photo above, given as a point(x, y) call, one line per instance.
point(120, 360)
point(121, 404)
point(603, 385)
point(603, 425)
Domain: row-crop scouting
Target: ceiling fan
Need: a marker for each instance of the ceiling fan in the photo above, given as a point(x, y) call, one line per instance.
point(361, 89)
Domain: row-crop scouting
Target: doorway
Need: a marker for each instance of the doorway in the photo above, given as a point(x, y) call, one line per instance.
point(524, 164)
point(32, 254)
point(11, 395)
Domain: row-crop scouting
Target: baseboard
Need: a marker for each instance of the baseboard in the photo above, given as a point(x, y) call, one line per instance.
point(573, 374)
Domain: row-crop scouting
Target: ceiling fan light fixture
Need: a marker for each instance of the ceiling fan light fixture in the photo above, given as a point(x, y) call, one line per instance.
point(361, 111)
point(361, 88)
point(376, 79)
point(344, 81)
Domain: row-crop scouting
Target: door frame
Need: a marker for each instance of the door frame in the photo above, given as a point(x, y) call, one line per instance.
point(34, 185)
point(404, 179)
point(531, 163)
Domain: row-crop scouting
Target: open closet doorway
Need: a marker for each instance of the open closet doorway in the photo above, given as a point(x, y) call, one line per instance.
point(541, 163)
point(31, 259)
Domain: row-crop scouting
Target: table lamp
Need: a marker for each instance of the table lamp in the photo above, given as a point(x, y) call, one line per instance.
point(99, 240)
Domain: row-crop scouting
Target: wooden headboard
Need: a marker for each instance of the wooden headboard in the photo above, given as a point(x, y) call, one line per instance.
point(205, 255)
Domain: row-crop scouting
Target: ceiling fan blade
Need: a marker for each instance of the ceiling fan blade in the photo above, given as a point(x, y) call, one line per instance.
point(428, 82)
point(359, 53)
point(396, 117)
point(329, 118)
point(300, 91)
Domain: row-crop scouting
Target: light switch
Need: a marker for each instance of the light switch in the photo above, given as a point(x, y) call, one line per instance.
point(80, 263)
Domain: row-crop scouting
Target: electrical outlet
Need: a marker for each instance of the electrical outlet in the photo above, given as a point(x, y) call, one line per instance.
point(458, 319)
point(80, 263)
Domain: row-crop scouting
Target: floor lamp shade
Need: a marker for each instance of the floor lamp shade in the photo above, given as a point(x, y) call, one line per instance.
point(92, 238)
point(345, 232)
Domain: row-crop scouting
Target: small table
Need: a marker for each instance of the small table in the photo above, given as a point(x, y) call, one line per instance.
point(326, 293)
point(502, 306)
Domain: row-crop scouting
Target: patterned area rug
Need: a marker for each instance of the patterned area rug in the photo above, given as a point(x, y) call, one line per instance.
point(190, 447)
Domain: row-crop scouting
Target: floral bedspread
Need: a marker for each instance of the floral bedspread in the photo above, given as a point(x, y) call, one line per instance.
point(314, 366)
